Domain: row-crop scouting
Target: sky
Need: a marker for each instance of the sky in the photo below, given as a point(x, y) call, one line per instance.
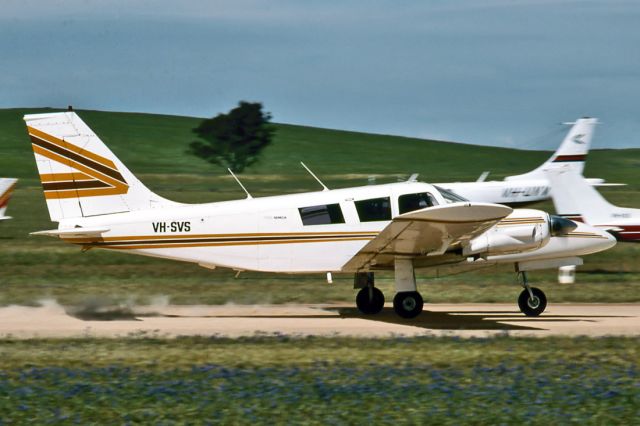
point(493, 72)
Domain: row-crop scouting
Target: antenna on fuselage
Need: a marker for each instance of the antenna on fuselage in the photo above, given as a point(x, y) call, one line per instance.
point(413, 177)
point(314, 176)
point(241, 185)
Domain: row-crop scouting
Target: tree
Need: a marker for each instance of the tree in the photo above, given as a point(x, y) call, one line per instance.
point(234, 139)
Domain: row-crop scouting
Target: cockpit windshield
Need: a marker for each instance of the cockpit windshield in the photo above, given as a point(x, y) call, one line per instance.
point(450, 197)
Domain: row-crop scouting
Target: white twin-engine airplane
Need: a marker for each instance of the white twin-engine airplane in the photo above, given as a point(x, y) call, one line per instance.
point(98, 202)
point(534, 186)
point(6, 189)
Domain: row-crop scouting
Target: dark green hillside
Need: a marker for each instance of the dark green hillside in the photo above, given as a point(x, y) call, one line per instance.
point(156, 145)
point(153, 144)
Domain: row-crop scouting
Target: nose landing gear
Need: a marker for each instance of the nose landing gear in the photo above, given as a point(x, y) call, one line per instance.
point(532, 301)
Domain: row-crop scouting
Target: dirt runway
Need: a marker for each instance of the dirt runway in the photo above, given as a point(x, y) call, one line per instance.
point(466, 320)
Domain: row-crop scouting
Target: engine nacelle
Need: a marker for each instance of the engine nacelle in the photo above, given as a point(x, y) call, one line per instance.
point(521, 231)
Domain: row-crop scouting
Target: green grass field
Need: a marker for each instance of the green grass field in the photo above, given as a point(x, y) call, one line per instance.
point(284, 380)
point(154, 148)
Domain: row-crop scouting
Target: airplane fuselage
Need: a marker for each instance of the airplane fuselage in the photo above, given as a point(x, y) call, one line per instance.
point(502, 192)
point(310, 232)
point(508, 191)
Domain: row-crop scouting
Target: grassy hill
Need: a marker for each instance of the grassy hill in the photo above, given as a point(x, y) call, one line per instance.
point(154, 145)
point(154, 148)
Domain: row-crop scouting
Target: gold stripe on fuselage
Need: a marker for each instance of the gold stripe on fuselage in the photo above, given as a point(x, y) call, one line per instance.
point(215, 244)
point(208, 240)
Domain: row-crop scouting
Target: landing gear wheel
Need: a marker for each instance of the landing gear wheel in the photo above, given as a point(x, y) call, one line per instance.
point(532, 307)
point(408, 304)
point(370, 300)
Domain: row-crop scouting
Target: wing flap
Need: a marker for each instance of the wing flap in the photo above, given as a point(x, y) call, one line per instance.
point(427, 232)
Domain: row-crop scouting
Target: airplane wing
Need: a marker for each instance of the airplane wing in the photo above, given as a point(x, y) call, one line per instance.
point(427, 232)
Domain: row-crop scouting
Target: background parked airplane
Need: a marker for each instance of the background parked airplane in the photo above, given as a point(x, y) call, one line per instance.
point(6, 189)
point(575, 199)
point(534, 185)
point(98, 202)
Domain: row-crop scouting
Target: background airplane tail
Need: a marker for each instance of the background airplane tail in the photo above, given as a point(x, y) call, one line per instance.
point(6, 189)
point(80, 176)
point(571, 153)
point(575, 199)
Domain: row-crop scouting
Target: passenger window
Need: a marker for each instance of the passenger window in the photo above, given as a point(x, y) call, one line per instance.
point(321, 215)
point(411, 202)
point(374, 209)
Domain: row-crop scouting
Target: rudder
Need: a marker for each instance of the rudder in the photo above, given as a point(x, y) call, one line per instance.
point(571, 154)
point(80, 175)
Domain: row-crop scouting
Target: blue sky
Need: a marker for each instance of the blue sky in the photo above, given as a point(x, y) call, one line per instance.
point(492, 72)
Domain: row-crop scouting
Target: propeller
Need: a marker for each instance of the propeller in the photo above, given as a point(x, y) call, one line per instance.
point(561, 226)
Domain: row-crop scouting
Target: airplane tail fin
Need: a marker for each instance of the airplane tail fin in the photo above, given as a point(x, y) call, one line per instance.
point(571, 153)
point(6, 189)
point(80, 176)
point(574, 198)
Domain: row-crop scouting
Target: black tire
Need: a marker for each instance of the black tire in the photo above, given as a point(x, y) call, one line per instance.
point(408, 304)
point(370, 301)
point(529, 307)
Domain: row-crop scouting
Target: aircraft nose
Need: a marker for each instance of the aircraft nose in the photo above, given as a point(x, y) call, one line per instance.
point(611, 240)
point(606, 242)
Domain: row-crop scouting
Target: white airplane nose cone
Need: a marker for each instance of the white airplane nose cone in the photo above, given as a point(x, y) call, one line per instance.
point(610, 242)
point(599, 239)
point(605, 242)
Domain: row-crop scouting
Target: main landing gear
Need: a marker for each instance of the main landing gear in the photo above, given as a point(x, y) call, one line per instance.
point(407, 303)
point(370, 299)
point(532, 301)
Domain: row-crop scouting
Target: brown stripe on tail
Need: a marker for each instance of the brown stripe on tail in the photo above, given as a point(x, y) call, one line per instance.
point(94, 176)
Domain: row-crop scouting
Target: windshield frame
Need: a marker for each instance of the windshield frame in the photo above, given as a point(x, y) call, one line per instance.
point(450, 196)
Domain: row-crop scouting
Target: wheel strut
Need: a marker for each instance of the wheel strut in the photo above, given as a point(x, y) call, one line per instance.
point(522, 275)
point(532, 301)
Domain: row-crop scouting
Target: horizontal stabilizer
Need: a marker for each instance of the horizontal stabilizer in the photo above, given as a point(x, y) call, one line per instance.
point(73, 232)
point(607, 184)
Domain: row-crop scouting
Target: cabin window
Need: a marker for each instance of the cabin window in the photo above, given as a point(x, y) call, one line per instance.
point(321, 215)
point(411, 202)
point(374, 209)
